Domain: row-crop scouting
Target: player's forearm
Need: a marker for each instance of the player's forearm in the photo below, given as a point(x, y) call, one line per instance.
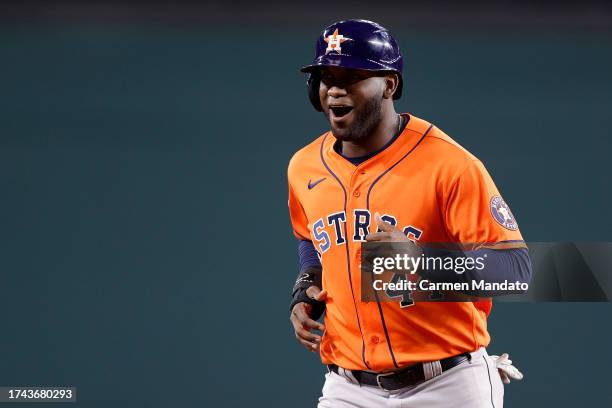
point(497, 266)
point(310, 269)
point(310, 274)
point(307, 255)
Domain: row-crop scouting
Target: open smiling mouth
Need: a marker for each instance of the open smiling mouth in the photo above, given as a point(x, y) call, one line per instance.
point(340, 111)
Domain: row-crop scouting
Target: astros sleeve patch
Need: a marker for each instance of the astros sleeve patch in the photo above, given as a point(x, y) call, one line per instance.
point(477, 215)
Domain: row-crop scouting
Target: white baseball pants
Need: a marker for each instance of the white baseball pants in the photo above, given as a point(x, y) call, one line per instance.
point(472, 384)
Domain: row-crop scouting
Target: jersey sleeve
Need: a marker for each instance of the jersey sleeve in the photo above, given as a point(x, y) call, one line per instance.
point(476, 215)
point(299, 221)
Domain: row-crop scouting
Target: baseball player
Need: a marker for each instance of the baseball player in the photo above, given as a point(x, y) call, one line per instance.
point(382, 176)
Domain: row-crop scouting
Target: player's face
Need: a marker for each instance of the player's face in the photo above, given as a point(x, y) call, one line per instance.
point(352, 101)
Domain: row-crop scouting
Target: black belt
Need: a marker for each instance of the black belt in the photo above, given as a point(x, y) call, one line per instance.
point(406, 377)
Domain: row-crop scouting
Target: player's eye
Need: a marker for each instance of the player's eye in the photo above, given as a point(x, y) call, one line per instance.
point(356, 77)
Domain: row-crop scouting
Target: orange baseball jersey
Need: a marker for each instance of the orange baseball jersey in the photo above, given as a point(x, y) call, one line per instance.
point(435, 191)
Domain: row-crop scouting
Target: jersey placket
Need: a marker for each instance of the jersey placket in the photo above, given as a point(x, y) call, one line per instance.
point(374, 331)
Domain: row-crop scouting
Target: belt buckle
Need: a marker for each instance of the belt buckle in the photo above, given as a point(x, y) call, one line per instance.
point(379, 376)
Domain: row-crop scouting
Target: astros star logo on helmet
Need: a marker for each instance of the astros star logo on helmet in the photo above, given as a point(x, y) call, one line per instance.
point(333, 42)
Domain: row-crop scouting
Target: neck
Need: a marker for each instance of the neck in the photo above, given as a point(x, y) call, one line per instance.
point(382, 134)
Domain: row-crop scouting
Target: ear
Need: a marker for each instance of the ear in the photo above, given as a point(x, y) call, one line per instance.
point(391, 84)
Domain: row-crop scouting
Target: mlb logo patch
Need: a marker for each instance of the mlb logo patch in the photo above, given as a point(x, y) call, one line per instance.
point(502, 214)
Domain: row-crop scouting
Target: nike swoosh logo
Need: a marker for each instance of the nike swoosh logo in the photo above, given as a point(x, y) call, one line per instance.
point(312, 185)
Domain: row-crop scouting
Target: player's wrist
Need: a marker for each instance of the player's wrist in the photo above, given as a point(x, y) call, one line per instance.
point(300, 296)
point(309, 276)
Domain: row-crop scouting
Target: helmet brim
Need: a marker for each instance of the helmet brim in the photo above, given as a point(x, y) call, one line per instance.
point(345, 61)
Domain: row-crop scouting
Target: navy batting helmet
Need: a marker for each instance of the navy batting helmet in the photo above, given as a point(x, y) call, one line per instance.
point(356, 44)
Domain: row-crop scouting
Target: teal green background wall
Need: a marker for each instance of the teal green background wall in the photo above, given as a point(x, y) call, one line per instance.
point(147, 256)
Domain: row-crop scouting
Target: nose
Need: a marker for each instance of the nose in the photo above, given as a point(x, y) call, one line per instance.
point(336, 91)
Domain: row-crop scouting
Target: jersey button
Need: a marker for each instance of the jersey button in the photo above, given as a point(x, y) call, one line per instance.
point(356, 194)
point(375, 339)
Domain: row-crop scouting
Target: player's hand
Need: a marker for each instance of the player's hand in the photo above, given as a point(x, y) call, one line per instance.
point(398, 242)
point(505, 368)
point(303, 323)
point(386, 232)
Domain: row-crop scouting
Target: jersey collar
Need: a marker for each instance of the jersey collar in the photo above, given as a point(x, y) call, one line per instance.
point(380, 162)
